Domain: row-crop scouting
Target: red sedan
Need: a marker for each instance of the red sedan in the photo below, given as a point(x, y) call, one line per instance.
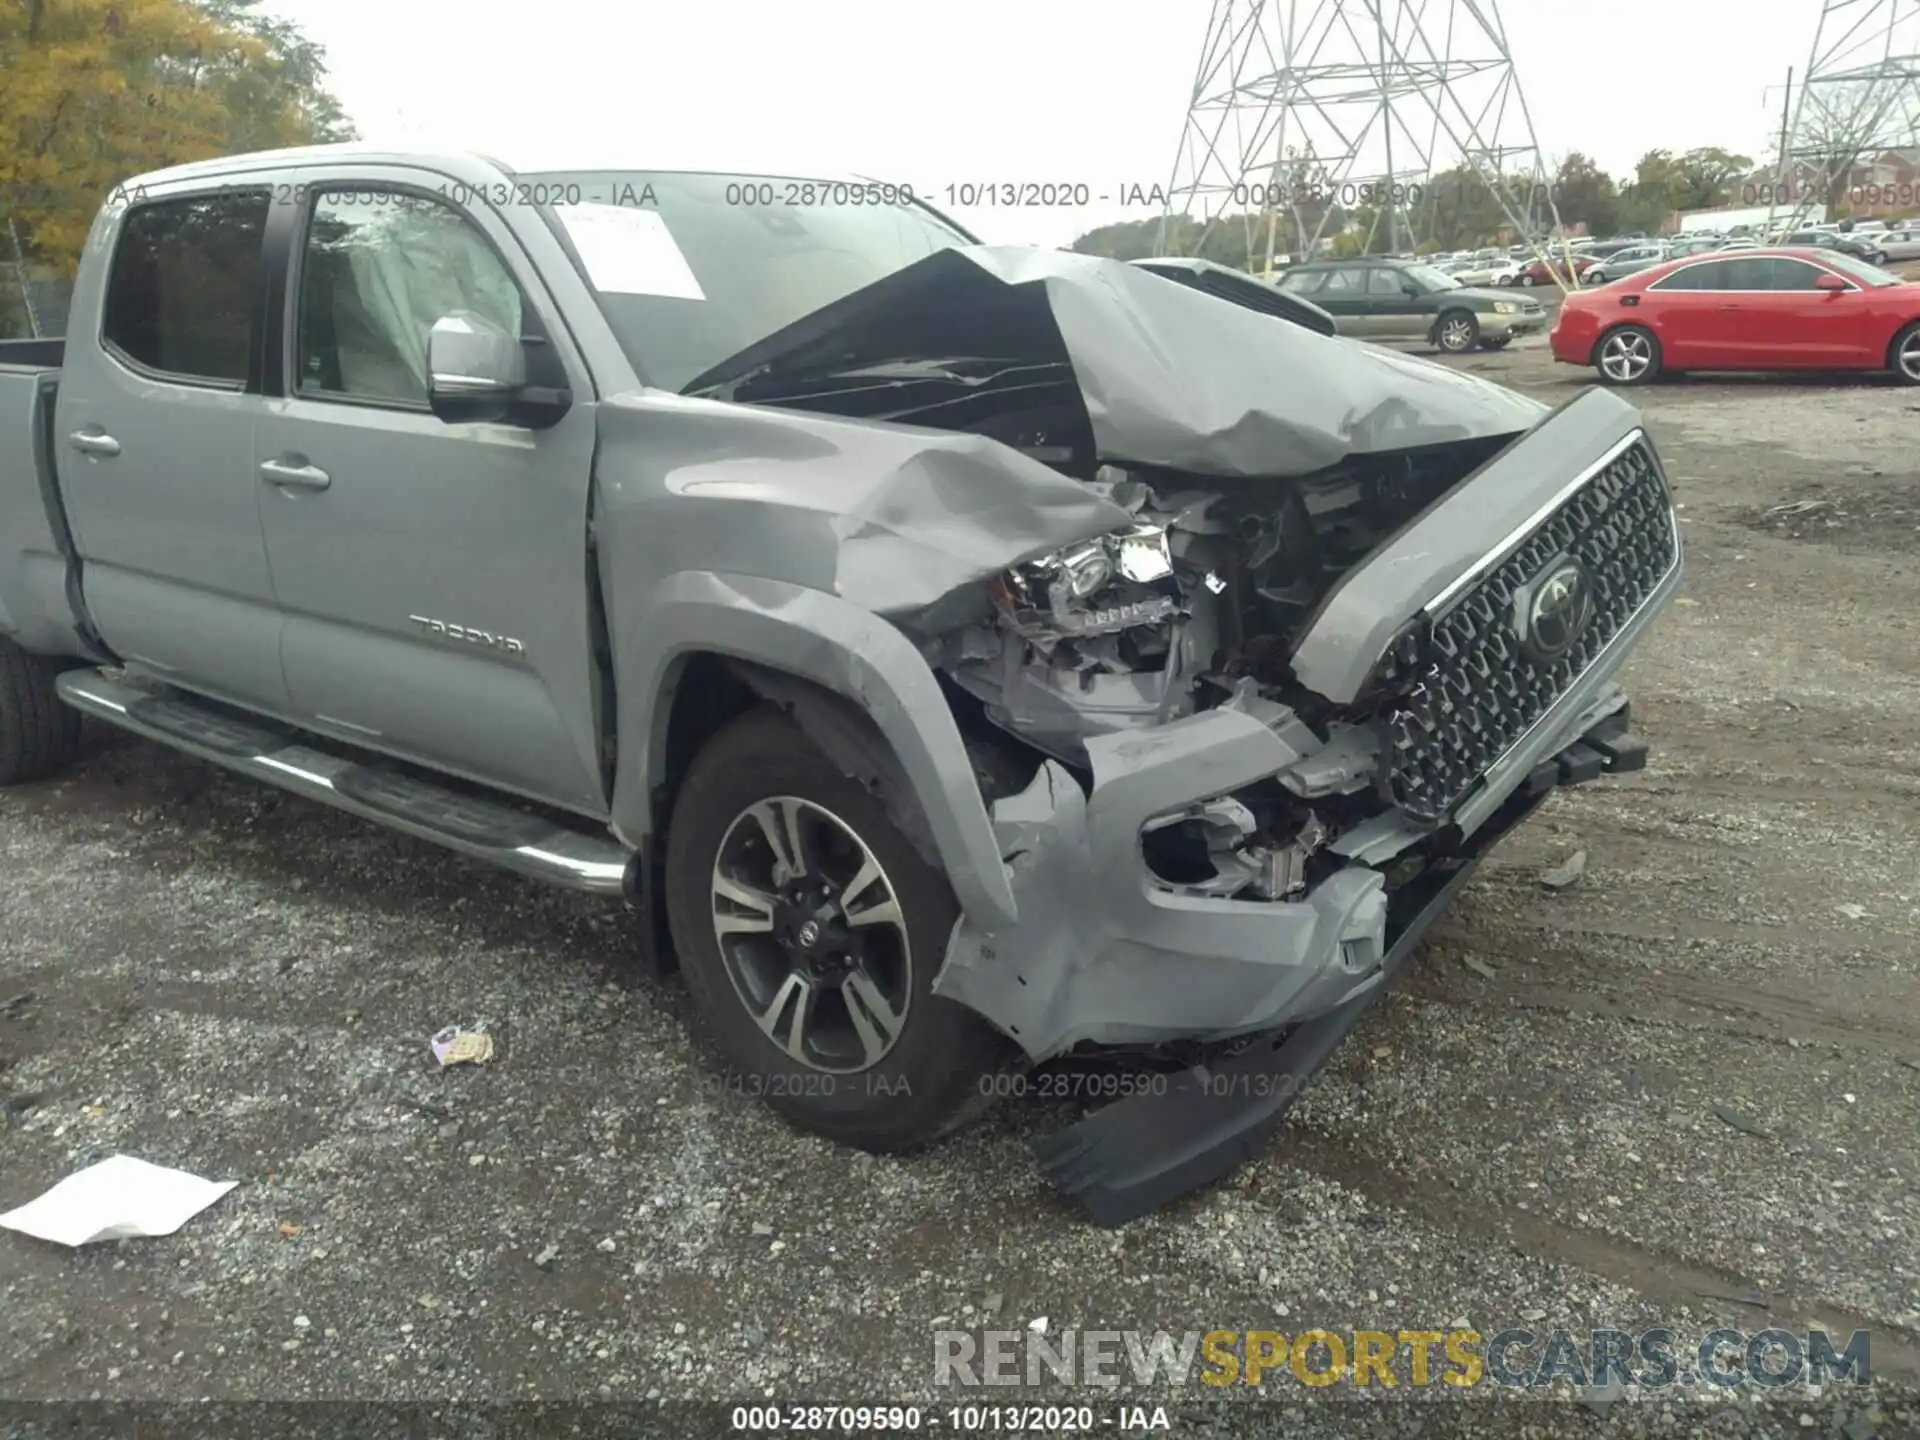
point(1785, 309)
point(1538, 273)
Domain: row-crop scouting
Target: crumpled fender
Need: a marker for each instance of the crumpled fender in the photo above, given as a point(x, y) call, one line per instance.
point(834, 644)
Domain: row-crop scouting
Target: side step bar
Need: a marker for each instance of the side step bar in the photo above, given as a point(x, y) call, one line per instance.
point(387, 794)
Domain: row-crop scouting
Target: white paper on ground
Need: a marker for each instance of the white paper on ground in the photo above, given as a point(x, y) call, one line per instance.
point(118, 1198)
point(629, 251)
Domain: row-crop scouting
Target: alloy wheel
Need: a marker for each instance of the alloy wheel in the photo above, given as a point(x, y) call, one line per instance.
point(1625, 356)
point(1456, 334)
point(812, 935)
point(1909, 357)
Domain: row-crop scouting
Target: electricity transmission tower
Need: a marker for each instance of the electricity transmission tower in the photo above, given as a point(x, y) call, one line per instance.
point(1314, 113)
point(1859, 98)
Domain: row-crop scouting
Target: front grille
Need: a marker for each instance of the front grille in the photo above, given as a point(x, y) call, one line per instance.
point(1481, 691)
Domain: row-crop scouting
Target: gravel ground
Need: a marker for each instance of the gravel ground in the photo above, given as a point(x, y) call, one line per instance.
point(1682, 1090)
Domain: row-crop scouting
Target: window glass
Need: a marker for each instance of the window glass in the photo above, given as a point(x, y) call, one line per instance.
point(1302, 282)
point(379, 270)
point(1795, 274)
point(1385, 282)
point(1711, 275)
point(185, 285)
point(1750, 272)
point(1344, 284)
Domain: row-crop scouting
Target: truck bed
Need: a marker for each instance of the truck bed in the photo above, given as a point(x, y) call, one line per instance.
point(37, 590)
point(33, 354)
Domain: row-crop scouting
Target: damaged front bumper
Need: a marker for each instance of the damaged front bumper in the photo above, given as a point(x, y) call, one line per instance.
point(1132, 1157)
point(1109, 952)
point(1106, 954)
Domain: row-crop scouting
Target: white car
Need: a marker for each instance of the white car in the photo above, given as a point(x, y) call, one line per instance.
point(1487, 272)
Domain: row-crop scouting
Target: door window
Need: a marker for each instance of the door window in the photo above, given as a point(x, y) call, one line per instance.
point(1795, 274)
point(1750, 272)
point(1711, 275)
point(1302, 282)
point(1385, 284)
point(379, 269)
point(1344, 284)
point(185, 286)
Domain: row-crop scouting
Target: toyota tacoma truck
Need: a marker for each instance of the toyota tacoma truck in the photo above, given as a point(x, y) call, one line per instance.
point(963, 657)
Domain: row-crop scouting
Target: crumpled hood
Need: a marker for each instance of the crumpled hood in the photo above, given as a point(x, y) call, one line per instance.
point(1170, 376)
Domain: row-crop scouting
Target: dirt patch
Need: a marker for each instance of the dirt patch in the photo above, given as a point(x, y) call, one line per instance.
point(1872, 512)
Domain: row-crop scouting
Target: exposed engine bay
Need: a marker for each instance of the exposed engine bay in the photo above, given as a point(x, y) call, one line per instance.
point(1201, 601)
point(1197, 604)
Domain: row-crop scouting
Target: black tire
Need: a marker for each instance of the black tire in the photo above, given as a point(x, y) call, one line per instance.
point(1627, 335)
point(1456, 332)
point(941, 1068)
point(1903, 355)
point(39, 736)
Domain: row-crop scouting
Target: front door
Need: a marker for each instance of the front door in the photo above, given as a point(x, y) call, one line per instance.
point(155, 421)
point(1803, 328)
point(1391, 311)
point(1343, 295)
point(433, 577)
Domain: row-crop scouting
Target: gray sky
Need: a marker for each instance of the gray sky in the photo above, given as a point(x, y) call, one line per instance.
point(930, 94)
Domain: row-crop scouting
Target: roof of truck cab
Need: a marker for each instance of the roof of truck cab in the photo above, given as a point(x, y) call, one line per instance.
point(453, 162)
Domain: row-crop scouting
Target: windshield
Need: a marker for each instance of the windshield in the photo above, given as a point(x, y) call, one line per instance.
point(690, 269)
point(1859, 269)
point(1429, 278)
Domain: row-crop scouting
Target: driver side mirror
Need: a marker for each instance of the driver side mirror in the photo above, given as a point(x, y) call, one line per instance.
point(476, 370)
point(1832, 284)
point(1410, 288)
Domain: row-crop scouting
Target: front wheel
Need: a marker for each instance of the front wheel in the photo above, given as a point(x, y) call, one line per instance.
point(1499, 343)
point(1629, 355)
point(39, 735)
point(1456, 332)
point(1528, 279)
point(809, 930)
point(1904, 354)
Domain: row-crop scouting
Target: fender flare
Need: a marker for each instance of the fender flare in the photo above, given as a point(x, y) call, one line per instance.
point(844, 649)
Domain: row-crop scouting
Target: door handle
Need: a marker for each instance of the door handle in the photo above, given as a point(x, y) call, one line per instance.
point(288, 472)
point(93, 442)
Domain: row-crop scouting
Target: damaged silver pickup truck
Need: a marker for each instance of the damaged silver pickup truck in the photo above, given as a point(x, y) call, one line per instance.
point(965, 657)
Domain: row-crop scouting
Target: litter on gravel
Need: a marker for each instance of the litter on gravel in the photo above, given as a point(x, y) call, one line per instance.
point(454, 1046)
point(120, 1198)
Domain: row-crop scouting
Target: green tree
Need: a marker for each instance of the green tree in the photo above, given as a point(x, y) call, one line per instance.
point(1706, 177)
point(100, 90)
point(1584, 194)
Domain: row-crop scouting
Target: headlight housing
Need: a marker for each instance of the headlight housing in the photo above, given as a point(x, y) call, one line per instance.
point(1097, 587)
point(1505, 307)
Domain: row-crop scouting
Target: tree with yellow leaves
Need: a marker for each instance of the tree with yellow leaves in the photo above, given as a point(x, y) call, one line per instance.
point(97, 91)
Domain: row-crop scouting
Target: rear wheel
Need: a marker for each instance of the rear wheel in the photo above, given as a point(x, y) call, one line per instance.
point(809, 930)
point(1629, 355)
point(1903, 356)
point(39, 736)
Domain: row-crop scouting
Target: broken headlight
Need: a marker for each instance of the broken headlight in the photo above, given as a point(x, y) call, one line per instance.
point(1097, 587)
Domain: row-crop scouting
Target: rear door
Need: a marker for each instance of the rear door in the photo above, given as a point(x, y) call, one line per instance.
point(433, 577)
point(155, 422)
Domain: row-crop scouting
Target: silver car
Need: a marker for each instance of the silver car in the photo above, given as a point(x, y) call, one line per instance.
point(1632, 260)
